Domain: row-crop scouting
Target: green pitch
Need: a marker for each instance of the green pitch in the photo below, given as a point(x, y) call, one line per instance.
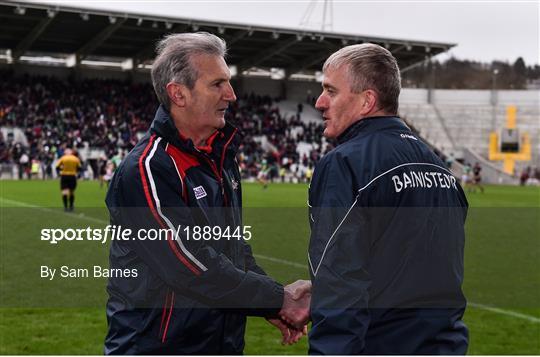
point(502, 267)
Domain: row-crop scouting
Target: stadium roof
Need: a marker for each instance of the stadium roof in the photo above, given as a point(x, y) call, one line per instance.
point(94, 36)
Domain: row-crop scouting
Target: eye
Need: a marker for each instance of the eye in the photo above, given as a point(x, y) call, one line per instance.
point(218, 84)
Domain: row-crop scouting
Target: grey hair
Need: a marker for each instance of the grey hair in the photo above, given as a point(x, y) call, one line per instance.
point(173, 61)
point(370, 66)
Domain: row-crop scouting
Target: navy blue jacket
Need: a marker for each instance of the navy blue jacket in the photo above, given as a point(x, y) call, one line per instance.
point(386, 250)
point(188, 296)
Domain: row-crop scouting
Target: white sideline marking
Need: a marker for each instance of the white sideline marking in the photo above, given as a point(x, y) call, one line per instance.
point(282, 261)
point(57, 211)
point(505, 312)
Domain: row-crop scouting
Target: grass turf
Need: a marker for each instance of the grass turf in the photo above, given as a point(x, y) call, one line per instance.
point(37, 317)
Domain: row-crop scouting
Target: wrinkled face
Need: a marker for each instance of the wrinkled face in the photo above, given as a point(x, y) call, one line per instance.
point(339, 106)
point(212, 93)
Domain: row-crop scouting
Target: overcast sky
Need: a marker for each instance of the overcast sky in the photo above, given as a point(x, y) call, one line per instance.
point(482, 30)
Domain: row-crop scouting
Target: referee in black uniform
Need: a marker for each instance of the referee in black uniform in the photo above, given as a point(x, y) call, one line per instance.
point(68, 166)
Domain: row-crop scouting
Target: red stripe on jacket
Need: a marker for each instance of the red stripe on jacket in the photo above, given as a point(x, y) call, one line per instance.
point(170, 239)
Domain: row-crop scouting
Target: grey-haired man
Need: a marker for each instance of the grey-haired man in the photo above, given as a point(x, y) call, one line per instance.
point(189, 295)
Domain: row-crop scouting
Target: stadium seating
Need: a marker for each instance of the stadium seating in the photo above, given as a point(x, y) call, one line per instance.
point(41, 115)
point(425, 118)
point(103, 117)
point(460, 128)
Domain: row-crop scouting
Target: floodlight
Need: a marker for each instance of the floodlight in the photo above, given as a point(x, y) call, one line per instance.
point(19, 10)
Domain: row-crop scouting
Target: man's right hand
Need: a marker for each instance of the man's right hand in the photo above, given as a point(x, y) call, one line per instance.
point(296, 301)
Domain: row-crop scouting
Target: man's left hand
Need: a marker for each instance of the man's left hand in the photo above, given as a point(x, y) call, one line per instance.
point(290, 335)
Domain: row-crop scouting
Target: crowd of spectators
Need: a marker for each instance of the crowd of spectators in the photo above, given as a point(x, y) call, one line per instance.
point(110, 116)
point(56, 113)
point(271, 139)
point(529, 176)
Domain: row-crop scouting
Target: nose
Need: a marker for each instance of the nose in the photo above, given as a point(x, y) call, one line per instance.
point(322, 103)
point(229, 95)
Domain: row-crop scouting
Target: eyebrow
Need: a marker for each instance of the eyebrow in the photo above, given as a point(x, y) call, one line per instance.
point(328, 86)
point(220, 80)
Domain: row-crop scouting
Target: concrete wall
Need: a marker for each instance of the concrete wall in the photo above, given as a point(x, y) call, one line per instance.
point(517, 97)
point(413, 96)
point(471, 97)
point(461, 97)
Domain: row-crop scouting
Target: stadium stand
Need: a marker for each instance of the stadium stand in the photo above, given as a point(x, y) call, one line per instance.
point(459, 123)
point(96, 115)
point(428, 122)
point(83, 37)
point(101, 118)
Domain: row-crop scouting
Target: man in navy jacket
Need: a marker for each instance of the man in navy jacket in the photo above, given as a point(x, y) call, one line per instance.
point(387, 222)
point(190, 292)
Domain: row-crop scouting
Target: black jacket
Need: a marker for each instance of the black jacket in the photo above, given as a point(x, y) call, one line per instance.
point(386, 251)
point(189, 296)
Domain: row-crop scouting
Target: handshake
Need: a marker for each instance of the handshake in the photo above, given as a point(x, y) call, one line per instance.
point(294, 314)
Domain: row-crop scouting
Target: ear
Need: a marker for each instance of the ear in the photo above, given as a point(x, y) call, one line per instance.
point(369, 102)
point(177, 94)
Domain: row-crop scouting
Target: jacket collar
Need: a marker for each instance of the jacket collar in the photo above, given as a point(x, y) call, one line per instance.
point(371, 124)
point(163, 126)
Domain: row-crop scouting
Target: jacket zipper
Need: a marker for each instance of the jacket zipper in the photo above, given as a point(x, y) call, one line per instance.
point(214, 167)
point(218, 176)
point(221, 165)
